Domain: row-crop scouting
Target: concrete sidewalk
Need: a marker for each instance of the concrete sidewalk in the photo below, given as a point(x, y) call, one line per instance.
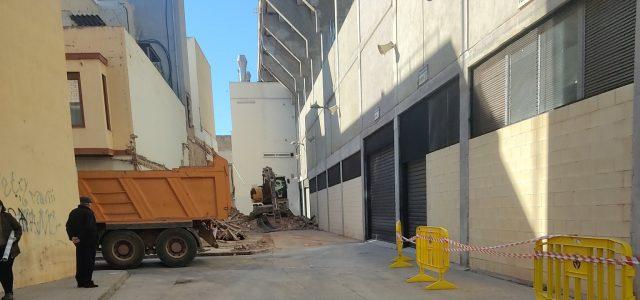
point(109, 282)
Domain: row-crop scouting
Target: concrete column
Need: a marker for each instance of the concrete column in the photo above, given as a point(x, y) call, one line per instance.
point(465, 128)
point(635, 193)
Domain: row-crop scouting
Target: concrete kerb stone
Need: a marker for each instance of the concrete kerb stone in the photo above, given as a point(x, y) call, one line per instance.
point(109, 282)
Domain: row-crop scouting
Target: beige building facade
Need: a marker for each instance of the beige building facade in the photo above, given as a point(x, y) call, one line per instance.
point(126, 116)
point(38, 181)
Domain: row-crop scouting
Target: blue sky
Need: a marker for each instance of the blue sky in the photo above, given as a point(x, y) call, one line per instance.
point(224, 29)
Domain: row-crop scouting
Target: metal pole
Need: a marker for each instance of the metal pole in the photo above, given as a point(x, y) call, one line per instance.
point(635, 189)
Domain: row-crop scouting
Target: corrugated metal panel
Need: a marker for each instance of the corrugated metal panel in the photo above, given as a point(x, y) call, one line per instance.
point(416, 195)
point(609, 44)
point(523, 78)
point(381, 186)
point(333, 175)
point(489, 95)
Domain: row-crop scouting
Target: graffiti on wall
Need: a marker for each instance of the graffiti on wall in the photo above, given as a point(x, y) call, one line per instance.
point(33, 209)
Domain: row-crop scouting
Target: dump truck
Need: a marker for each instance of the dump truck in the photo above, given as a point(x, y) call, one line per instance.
point(143, 213)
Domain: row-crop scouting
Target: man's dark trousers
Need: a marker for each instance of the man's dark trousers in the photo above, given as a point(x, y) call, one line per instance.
point(6, 275)
point(85, 262)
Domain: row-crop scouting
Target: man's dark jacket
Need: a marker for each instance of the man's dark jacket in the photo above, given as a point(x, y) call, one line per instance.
point(10, 223)
point(82, 224)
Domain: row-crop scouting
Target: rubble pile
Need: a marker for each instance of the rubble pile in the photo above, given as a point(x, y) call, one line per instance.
point(227, 231)
point(240, 223)
point(298, 223)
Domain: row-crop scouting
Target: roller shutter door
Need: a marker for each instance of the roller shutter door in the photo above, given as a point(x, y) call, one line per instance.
point(416, 195)
point(381, 190)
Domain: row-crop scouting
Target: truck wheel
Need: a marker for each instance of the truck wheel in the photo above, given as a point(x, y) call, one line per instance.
point(123, 249)
point(176, 247)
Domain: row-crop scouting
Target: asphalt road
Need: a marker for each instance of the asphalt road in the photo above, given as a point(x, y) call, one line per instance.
point(306, 265)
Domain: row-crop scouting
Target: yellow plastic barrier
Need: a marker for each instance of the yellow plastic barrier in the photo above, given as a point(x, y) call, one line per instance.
point(400, 261)
point(553, 276)
point(432, 255)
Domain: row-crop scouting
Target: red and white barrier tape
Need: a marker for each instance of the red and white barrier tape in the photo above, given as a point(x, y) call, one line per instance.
point(460, 247)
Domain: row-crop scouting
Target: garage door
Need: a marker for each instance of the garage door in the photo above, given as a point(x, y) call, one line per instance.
point(416, 196)
point(381, 192)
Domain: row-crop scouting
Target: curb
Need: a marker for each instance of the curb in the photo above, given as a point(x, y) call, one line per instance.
point(234, 253)
point(115, 287)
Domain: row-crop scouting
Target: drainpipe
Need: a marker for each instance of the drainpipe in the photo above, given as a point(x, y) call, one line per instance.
point(635, 183)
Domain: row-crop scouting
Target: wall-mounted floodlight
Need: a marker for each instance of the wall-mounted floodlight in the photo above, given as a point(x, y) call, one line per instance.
point(333, 109)
point(296, 143)
point(383, 49)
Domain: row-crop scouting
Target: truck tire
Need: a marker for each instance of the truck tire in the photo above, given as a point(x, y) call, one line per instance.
point(123, 249)
point(176, 247)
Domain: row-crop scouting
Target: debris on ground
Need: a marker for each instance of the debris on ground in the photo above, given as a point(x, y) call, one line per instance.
point(236, 226)
point(227, 231)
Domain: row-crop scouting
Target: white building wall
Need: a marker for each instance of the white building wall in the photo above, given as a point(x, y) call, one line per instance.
point(159, 119)
point(263, 118)
point(201, 92)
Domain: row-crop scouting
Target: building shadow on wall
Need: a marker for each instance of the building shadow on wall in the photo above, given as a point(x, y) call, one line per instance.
point(504, 202)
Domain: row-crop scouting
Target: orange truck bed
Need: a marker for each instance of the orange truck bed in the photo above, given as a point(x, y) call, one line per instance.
point(179, 195)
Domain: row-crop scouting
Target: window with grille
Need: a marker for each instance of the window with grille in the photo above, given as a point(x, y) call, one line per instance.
point(351, 167)
point(312, 185)
point(75, 99)
point(584, 49)
point(333, 175)
point(322, 181)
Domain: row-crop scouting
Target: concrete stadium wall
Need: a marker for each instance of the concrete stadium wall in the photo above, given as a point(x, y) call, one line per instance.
point(323, 210)
point(443, 191)
point(313, 205)
point(563, 172)
point(38, 181)
point(335, 209)
point(353, 208)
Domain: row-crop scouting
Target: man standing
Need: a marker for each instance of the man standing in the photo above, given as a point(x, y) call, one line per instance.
point(83, 232)
point(8, 224)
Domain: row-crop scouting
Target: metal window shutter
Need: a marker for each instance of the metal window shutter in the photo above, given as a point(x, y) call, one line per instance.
point(416, 196)
point(489, 91)
point(523, 78)
point(609, 44)
point(381, 195)
point(560, 59)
